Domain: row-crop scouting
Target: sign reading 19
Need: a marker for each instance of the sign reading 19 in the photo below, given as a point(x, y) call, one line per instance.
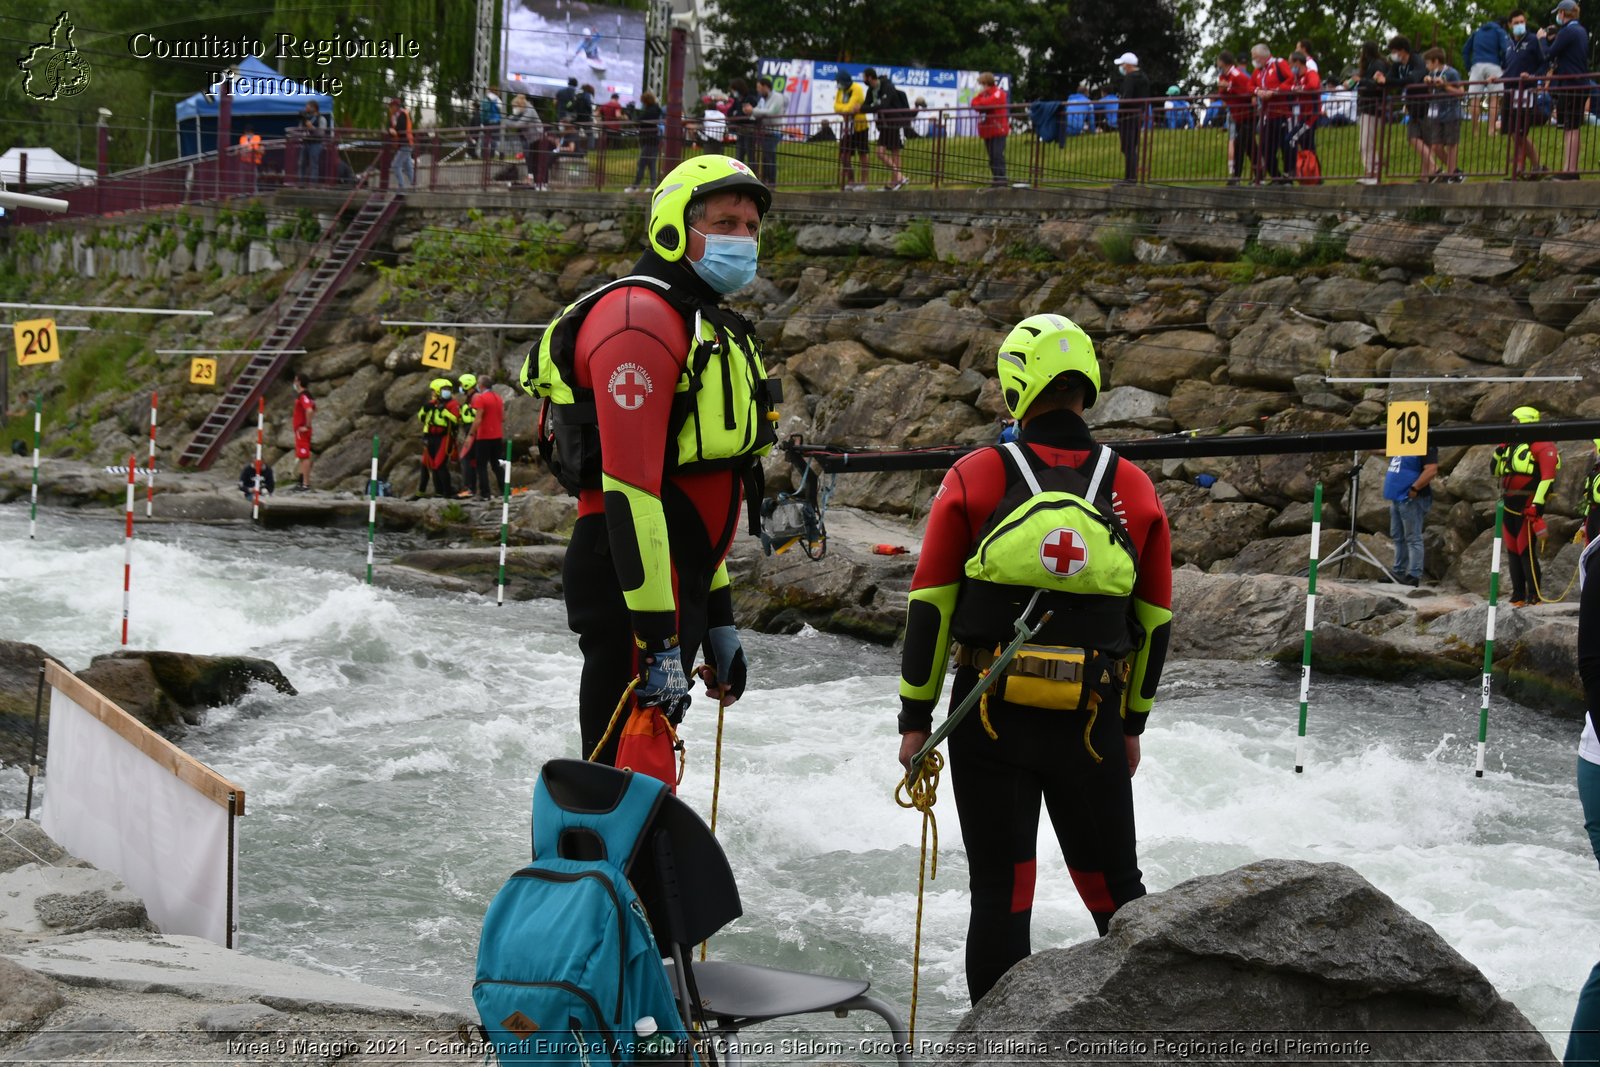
point(1408, 428)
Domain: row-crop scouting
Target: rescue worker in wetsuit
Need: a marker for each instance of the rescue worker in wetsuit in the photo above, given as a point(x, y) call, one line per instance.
point(466, 448)
point(439, 417)
point(1062, 725)
point(1591, 497)
point(1526, 473)
point(657, 409)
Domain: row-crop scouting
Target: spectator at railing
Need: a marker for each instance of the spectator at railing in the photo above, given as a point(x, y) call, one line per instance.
point(849, 103)
point(1483, 57)
point(566, 99)
point(922, 123)
point(583, 114)
point(1405, 77)
point(994, 124)
point(490, 114)
point(1370, 84)
point(402, 138)
point(1177, 111)
point(741, 121)
point(1443, 136)
point(1524, 62)
point(1105, 111)
point(1566, 51)
point(313, 131)
point(1133, 93)
point(1303, 46)
point(537, 144)
point(769, 112)
point(611, 121)
point(1236, 91)
point(890, 110)
point(1306, 92)
point(250, 156)
point(1273, 83)
point(1339, 107)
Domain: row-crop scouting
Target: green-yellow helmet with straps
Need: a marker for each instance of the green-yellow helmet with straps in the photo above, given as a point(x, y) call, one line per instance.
point(692, 180)
point(468, 381)
point(439, 384)
point(1526, 414)
point(1038, 350)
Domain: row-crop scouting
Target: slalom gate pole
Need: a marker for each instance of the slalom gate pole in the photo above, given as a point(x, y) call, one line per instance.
point(372, 507)
point(150, 490)
point(505, 520)
point(33, 507)
point(261, 423)
point(1488, 633)
point(1311, 622)
point(127, 546)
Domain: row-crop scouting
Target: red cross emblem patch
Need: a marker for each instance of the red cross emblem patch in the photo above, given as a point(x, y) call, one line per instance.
point(1063, 552)
point(629, 385)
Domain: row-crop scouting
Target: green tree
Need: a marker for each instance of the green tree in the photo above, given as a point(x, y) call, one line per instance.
point(1079, 41)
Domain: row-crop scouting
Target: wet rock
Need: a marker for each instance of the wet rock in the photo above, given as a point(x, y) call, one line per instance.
point(1459, 256)
point(167, 690)
point(19, 686)
point(532, 571)
point(1394, 243)
point(851, 592)
point(1161, 361)
point(1283, 950)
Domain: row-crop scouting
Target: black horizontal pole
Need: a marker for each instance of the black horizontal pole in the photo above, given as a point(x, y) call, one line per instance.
point(837, 459)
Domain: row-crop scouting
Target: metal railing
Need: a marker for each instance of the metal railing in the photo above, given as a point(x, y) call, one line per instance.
point(1173, 140)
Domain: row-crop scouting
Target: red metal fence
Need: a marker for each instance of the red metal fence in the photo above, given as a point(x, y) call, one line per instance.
point(1167, 140)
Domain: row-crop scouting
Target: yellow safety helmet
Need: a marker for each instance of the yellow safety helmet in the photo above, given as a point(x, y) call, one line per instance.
point(692, 180)
point(1040, 349)
point(439, 384)
point(468, 381)
point(1526, 414)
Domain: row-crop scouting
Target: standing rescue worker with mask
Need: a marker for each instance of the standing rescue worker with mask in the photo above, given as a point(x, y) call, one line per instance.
point(439, 417)
point(1591, 497)
point(657, 409)
point(466, 448)
point(1056, 514)
point(1526, 473)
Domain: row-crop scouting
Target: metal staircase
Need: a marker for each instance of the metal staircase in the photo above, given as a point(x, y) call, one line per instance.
point(292, 315)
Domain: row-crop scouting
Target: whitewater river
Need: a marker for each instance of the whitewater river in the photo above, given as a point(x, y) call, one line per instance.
point(389, 800)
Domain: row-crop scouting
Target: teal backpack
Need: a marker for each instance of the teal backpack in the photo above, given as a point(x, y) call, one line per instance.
point(567, 965)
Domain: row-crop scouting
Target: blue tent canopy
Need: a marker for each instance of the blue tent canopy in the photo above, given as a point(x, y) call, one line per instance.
point(262, 97)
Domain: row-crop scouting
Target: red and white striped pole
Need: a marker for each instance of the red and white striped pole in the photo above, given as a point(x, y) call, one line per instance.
point(150, 493)
point(261, 424)
point(127, 547)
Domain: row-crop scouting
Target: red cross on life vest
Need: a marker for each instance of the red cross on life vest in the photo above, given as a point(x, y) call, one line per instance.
point(629, 388)
point(1063, 552)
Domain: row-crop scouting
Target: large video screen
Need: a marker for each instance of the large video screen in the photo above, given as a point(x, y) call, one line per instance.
point(548, 41)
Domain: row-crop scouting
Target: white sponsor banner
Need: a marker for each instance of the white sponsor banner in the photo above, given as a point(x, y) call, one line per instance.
point(132, 803)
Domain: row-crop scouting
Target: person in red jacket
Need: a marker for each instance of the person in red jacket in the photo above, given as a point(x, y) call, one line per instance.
point(1274, 92)
point(1237, 94)
point(1526, 472)
point(304, 407)
point(1306, 91)
point(488, 434)
point(1000, 544)
point(658, 410)
point(994, 123)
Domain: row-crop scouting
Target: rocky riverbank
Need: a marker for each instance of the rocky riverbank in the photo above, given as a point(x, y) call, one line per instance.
point(85, 977)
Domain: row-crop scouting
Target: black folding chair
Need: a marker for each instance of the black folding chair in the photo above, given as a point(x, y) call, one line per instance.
point(688, 891)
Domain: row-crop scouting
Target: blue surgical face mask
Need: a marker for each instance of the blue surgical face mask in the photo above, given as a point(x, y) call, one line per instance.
point(444, 394)
point(729, 262)
point(1518, 29)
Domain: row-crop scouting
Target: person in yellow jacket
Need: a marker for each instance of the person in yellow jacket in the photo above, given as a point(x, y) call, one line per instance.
point(850, 104)
point(440, 417)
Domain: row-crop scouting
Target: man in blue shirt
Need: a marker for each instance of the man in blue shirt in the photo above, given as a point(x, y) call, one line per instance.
point(1566, 52)
point(1406, 488)
point(1523, 67)
point(1483, 57)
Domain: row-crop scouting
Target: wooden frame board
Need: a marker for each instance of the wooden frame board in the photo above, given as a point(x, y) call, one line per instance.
point(202, 779)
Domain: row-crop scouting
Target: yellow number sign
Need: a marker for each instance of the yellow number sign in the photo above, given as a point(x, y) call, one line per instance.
point(203, 371)
point(1408, 428)
point(438, 350)
point(37, 342)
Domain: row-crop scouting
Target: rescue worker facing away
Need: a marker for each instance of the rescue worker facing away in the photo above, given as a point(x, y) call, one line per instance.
point(657, 407)
point(1052, 512)
point(1526, 473)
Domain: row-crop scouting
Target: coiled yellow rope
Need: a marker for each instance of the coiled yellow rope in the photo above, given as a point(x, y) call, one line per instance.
point(920, 790)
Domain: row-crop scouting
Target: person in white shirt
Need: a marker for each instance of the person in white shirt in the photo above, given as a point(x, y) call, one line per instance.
point(769, 111)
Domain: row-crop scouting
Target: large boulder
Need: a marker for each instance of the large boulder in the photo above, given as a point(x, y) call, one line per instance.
point(1394, 243)
point(1242, 305)
point(1204, 533)
point(1159, 362)
point(1460, 256)
point(26, 997)
point(167, 690)
point(1577, 249)
point(1339, 299)
point(1205, 236)
point(830, 367)
point(1198, 405)
point(1470, 320)
point(1557, 300)
point(1271, 352)
point(1529, 341)
point(19, 685)
point(1128, 405)
point(1278, 961)
point(1164, 310)
point(1587, 321)
point(936, 330)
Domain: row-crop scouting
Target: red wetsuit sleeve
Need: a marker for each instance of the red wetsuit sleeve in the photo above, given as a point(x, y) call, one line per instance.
point(630, 351)
point(1139, 508)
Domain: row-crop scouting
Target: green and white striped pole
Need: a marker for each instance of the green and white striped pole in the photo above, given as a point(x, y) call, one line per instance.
point(372, 507)
point(1488, 633)
point(1311, 621)
point(505, 520)
point(33, 508)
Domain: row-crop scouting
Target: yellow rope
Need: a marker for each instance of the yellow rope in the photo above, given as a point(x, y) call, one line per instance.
point(1094, 713)
point(716, 787)
point(616, 716)
point(983, 709)
point(921, 793)
point(1533, 574)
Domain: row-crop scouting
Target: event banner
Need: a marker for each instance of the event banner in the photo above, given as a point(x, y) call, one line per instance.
point(810, 86)
point(132, 803)
point(548, 41)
